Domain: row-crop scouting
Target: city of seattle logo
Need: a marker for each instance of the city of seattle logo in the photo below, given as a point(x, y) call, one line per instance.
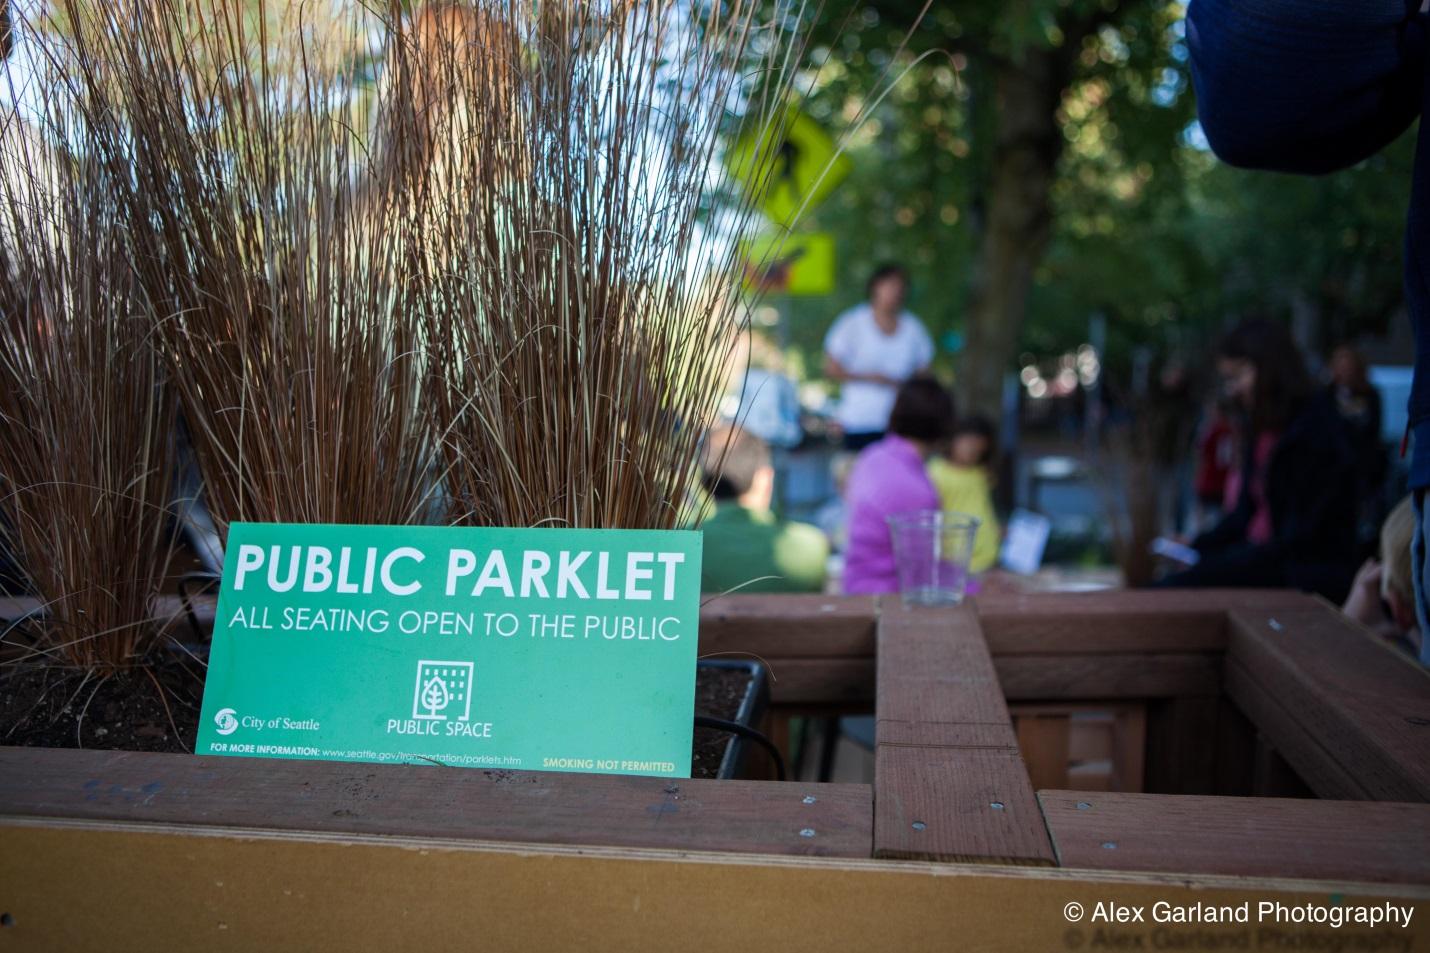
point(444, 691)
point(227, 724)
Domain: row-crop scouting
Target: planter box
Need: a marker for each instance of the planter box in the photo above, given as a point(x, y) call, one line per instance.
point(750, 714)
point(1235, 693)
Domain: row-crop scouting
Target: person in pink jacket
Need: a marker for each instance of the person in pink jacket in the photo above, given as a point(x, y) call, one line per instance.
point(888, 478)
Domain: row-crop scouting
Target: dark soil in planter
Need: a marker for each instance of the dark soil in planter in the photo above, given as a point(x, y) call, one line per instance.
point(54, 707)
point(718, 693)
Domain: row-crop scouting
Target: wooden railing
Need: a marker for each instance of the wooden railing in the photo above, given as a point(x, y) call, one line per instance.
point(1200, 695)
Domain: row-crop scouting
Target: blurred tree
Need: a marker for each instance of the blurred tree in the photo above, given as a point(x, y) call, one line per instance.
point(1020, 68)
point(1041, 158)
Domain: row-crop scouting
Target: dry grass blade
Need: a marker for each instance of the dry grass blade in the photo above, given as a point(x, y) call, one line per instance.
point(581, 274)
point(283, 290)
point(525, 286)
point(86, 415)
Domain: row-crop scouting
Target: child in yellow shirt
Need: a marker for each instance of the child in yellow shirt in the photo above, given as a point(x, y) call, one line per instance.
point(964, 484)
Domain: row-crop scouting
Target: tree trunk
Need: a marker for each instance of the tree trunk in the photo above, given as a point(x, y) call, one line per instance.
point(1018, 218)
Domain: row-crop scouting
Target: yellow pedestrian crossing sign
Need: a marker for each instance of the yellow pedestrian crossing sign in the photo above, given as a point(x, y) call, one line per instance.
point(799, 264)
point(788, 166)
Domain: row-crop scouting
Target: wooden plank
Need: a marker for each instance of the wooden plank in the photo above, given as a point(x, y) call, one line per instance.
point(1089, 737)
point(1273, 776)
point(1236, 741)
point(1107, 676)
point(122, 889)
point(949, 781)
point(1365, 706)
point(1104, 749)
point(423, 801)
point(1181, 749)
point(1092, 776)
point(1129, 737)
point(1117, 621)
point(972, 805)
point(1381, 843)
point(1043, 741)
point(919, 734)
point(1312, 761)
point(816, 681)
point(934, 668)
point(788, 626)
point(777, 729)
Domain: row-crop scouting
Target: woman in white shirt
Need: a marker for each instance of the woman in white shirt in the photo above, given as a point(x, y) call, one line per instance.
point(872, 349)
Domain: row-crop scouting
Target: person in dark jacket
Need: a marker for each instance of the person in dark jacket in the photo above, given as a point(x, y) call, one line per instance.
point(1302, 86)
point(1293, 522)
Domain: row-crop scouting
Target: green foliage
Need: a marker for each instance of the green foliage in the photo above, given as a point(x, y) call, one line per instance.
point(1148, 229)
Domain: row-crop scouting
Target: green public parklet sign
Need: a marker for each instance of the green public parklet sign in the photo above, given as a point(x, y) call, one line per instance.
point(544, 649)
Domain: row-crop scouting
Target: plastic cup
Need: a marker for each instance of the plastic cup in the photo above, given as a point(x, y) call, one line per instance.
point(932, 551)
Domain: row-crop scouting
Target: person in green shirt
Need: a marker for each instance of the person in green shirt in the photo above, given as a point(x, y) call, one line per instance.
point(964, 485)
point(746, 547)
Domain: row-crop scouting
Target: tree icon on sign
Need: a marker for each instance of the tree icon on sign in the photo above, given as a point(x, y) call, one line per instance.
point(443, 689)
point(435, 696)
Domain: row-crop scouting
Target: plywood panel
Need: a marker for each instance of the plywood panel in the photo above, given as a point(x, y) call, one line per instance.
point(121, 889)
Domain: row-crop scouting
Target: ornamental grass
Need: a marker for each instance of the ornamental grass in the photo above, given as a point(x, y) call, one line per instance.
point(478, 263)
point(87, 413)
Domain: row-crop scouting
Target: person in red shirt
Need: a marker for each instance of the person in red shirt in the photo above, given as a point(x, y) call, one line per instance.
point(1216, 456)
